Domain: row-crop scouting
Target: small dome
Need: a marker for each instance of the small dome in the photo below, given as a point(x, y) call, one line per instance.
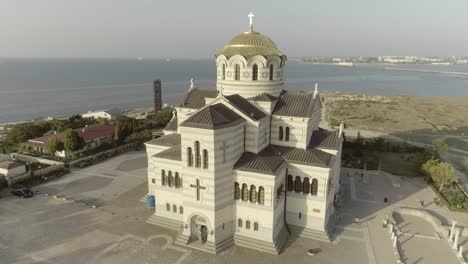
point(249, 44)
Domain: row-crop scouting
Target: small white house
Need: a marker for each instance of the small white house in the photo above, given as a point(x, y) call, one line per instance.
point(11, 168)
point(109, 114)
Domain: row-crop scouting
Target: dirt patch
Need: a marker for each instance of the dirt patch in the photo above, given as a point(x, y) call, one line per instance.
point(404, 115)
point(133, 164)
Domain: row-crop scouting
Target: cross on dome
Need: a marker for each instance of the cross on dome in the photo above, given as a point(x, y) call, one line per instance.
point(251, 16)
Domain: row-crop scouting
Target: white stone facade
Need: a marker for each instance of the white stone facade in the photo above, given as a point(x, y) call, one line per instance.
point(242, 169)
point(270, 71)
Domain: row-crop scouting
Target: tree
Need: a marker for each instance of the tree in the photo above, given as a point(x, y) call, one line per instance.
point(124, 126)
point(141, 136)
point(72, 140)
point(59, 125)
point(439, 148)
point(163, 117)
point(440, 172)
point(54, 145)
point(24, 131)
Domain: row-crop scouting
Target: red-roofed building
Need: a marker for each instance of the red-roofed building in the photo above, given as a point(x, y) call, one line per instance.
point(94, 136)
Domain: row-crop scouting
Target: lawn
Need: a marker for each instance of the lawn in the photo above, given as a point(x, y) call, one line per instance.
point(399, 163)
point(452, 196)
point(404, 164)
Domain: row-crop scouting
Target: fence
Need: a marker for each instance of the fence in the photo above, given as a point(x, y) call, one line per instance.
point(27, 158)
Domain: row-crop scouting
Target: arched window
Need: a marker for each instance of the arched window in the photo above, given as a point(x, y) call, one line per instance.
point(181, 209)
point(163, 177)
point(239, 222)
point(297, 184)
point(261, 195)
point(237, 72)
point(177, 180)
point(256, 226)
point(174, 208)
point(245, 192)
point(253, 194)
point(271, 72)
point(306, 186)
point(197, 154)
point(236, 191)
point(189, 157)
point(286, 138)
point(224, 71)
point(290, 183)
point(247, 224)
point(168, 207)
point(280, 136)
point(314, 187)
point(255, 72)
point(170, 179)
point(205, 159)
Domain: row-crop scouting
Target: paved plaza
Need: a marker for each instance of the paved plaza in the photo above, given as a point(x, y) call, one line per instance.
point(419, 242)
point(66, 229)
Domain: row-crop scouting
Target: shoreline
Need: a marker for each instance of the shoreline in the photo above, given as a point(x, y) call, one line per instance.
point(131, 111)
point(460, 74)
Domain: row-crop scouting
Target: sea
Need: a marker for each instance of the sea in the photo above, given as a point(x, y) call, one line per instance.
point(40, 88)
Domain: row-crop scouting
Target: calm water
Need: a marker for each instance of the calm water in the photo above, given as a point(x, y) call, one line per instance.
point(35, 88)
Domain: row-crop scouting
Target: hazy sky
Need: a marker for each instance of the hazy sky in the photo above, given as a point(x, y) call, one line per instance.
point(198, 28)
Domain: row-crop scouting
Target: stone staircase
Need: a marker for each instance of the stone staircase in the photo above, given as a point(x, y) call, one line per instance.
point(209, 247)
point(267, 247)
point(310, 233)
point(326, 236)
point(164, 222)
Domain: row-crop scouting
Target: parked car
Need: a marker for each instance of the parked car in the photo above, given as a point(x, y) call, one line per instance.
point(23, 193)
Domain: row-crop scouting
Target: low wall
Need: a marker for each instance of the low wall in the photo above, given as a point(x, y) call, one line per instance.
point(27, 158)
point(48, 170)
point(106, 153)
point(36, 173)
point(435, 222)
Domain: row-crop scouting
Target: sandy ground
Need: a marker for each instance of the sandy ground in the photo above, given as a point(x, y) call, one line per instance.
point(415, 120)
point(407, 115)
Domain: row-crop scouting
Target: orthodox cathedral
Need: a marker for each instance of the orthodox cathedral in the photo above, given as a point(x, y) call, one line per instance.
point(246, 163)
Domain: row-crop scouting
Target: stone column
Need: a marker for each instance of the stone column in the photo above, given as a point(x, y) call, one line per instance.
point(455, 242)
point(460, 252)
point(454, 223)
point(394, 241)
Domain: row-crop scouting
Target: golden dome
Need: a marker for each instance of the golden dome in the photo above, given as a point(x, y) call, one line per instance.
point(249, 44)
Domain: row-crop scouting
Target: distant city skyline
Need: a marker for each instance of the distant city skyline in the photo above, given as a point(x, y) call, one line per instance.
point(198, 29)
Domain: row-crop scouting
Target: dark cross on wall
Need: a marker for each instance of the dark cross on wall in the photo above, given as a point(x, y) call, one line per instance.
point(198, 187)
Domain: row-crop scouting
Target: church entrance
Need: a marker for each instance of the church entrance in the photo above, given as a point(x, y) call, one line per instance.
point(199, 229)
